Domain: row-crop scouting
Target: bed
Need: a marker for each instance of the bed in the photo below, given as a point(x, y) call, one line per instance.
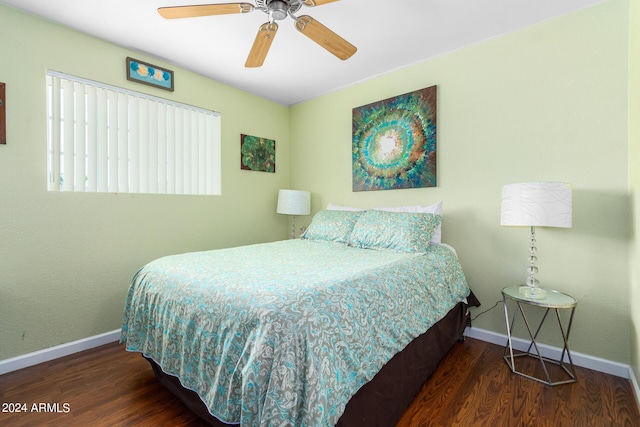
point(341, 327)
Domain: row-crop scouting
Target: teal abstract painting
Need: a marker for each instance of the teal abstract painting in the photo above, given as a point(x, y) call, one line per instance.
point(394, 142)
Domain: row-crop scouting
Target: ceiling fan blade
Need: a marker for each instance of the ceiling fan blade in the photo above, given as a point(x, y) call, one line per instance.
point(317, 2)
point(204, 10)
point(261, 45)
point(325, 37)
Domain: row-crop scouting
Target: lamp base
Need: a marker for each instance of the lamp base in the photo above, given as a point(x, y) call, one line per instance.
point(533, 293)
point(293, 227)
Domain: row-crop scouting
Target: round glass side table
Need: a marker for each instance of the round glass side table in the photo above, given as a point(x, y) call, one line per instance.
point(555, 301)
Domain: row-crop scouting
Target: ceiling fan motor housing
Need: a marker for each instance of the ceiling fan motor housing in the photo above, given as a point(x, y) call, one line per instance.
point(278, 9)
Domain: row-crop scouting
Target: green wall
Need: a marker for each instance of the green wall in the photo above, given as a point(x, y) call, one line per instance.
point(66, 259)
point(545, 103)
point(549, 102)
point(634, 180)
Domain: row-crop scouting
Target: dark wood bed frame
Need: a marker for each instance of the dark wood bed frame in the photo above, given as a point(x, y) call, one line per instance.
point(382, 400)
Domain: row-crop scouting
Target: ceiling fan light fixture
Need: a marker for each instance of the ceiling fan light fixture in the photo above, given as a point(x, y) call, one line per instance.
point(278, 10)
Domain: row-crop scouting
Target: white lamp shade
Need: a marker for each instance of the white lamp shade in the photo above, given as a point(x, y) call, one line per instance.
point(545, 204)
point(294, 202)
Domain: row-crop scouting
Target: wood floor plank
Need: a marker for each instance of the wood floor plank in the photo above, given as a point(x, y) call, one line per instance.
point(489, 394)
point(473, 386)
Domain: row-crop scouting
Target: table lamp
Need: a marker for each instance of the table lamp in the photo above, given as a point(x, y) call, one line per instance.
point(294, 202)
point(536, 204)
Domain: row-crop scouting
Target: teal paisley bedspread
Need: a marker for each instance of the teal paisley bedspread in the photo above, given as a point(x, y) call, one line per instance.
point(284, 333)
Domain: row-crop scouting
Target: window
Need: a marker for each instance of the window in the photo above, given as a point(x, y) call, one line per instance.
point(107, 139)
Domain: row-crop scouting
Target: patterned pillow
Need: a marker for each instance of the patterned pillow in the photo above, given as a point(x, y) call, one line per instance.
point(399, 231)
point(436, 208)
point(334, 226)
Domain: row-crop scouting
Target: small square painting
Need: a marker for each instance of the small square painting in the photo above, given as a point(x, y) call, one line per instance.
point(257, 154)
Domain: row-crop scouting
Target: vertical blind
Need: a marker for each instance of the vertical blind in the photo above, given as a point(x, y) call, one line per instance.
point(107, 139)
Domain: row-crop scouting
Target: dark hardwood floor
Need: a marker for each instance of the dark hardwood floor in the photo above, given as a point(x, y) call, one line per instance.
point(472, 386)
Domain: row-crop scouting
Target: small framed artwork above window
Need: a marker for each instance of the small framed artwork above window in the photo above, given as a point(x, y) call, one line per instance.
point(257, 154)
point(148, 74)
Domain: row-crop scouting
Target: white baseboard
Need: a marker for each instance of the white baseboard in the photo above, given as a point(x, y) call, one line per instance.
point(579, 359)
point(40, 356)
point(636, 387)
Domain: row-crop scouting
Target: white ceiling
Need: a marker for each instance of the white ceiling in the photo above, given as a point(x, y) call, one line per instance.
point(388, 34)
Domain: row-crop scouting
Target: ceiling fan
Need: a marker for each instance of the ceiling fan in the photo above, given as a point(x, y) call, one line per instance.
point(276, 10)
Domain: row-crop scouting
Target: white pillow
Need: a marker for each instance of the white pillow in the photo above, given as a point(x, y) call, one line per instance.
point(436, 208)
point(332, 207)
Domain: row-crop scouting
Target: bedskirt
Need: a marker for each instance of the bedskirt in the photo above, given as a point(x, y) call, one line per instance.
point(382, 401)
